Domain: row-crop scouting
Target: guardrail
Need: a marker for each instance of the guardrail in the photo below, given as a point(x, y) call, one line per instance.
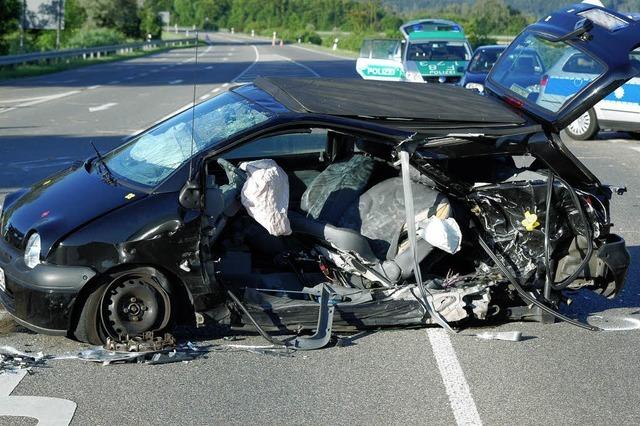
point(91, 52)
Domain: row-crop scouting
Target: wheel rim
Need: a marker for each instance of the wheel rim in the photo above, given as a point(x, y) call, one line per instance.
point(581, 125)
point(134, 304)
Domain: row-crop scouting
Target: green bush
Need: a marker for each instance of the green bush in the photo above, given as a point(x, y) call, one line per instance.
point(95, 37)
point(46, 41)
point(311, 37)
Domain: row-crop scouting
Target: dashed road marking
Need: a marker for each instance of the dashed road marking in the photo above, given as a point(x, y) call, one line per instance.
point(103, 107)
point(95, 86)
point(210, 67)
point(462, 403)
point(176, 81)
point(205, 96)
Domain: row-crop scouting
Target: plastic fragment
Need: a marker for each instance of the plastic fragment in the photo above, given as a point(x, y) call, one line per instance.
point(509, 336)
point(530, 221)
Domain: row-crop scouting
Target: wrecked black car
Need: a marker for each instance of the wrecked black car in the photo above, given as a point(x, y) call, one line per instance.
point(315, 204)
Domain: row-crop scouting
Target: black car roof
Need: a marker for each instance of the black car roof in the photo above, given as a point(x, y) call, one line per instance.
point(387, 100)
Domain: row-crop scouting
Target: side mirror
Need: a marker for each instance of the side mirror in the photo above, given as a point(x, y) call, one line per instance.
point(190, 196)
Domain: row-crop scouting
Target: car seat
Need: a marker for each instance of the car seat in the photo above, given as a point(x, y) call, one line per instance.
point(365, 228)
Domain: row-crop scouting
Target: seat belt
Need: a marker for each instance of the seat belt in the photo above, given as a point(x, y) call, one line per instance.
point(411, 230)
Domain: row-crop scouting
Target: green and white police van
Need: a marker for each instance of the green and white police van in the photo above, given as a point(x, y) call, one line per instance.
point(433, 51)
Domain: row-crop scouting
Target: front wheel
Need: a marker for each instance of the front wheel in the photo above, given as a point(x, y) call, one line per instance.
point(584, 127)
point(127, 304)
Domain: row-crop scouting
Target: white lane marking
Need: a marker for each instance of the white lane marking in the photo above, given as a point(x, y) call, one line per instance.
point(205, 96)
point(176, 81)
point(225, 59)
point(103, 107)
point(41, 100)
point(217, 89)
point(226, 84)
point(209, 67)
point(246, 70)
point(462, 403)
point(48, 411)
point(299, 64)
point(95, 86)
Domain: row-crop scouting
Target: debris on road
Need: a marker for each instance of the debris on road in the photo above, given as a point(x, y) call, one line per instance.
point(12, 359)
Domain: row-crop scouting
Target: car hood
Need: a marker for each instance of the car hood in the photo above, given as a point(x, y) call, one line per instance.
point(58, 205)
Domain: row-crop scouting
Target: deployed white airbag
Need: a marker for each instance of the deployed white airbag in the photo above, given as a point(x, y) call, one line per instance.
point(265, 195)
point(443, 234)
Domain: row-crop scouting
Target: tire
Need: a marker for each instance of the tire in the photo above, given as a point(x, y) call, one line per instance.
point(127, 303)
point(584, 127)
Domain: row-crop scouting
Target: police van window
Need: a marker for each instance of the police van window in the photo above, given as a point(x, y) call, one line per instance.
point(437, 51)
point(583, 64)
point(281, 146)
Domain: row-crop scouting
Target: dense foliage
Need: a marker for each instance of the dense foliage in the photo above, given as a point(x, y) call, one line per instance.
point(313, 21)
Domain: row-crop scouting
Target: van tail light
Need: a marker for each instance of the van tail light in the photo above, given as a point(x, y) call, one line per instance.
point(544, 80)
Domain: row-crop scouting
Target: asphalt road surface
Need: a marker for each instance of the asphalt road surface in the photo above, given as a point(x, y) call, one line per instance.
point(558, 375)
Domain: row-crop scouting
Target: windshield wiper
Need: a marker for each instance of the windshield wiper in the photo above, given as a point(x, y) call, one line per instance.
point(102, 167)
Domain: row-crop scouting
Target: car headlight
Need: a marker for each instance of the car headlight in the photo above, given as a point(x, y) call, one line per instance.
point(475, 86)
point(416, 77)
point(32, 251)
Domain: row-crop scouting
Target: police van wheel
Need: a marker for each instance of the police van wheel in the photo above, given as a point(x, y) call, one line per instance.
point(584, 127)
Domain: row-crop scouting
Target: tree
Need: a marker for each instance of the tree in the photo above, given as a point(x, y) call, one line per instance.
point(150, 21)
point(9, 21)
point(121, 15)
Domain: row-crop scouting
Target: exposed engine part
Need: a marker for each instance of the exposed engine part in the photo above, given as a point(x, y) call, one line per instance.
point(452, 304)
point(147, 342)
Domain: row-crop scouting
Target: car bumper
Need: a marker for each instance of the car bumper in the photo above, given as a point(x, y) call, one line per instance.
point(41, 298)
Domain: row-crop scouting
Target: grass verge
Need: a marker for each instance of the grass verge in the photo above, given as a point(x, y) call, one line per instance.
point(33, 70)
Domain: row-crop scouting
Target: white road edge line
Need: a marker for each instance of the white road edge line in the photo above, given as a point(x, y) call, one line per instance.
point(315, 74)
point(246, 70)
point(462, 403)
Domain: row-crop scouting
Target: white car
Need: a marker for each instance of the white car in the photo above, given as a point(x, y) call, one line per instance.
point(620, 111)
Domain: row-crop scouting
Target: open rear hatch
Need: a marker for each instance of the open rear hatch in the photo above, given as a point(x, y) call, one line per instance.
point(541, 85)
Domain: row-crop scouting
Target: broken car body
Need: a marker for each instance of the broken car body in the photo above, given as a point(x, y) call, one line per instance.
point(503, 219)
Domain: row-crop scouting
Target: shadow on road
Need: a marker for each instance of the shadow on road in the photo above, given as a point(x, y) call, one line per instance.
point(586, 303)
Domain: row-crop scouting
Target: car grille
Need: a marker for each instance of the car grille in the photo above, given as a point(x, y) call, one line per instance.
point(448, 80)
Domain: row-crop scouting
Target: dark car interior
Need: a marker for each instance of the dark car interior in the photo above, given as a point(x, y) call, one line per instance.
point(345, 195)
